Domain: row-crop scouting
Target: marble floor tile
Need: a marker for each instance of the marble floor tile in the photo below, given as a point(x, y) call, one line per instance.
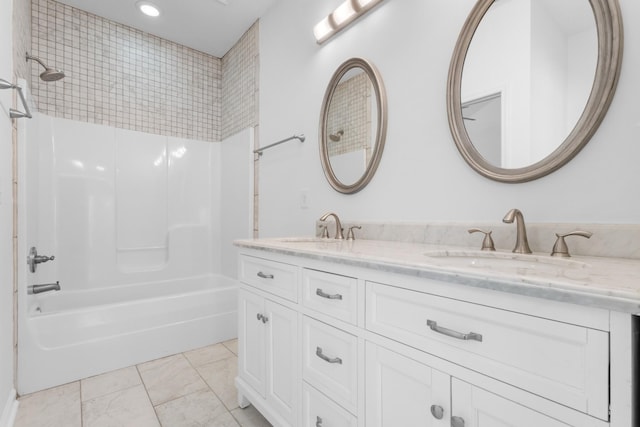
point(208, 354)
point(169, 378)
point(126, 408)
point(250, 417)
point(55, 407)
point(220, 376)
point(100, 385)
point(232, 345)
point(201, 408)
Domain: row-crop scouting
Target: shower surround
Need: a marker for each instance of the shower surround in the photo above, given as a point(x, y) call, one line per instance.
point(135, 223)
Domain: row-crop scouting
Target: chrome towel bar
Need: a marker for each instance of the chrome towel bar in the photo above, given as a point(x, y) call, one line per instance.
point(260, 150)
point(13, 113)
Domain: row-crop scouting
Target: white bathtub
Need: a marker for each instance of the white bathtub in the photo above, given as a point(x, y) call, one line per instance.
point(76, 334)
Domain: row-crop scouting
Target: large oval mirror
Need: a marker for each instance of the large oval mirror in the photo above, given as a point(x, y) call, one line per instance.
point(353, 124)
point(530, 81)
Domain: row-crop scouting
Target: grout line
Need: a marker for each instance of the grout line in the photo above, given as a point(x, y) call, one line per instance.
point(147, 392)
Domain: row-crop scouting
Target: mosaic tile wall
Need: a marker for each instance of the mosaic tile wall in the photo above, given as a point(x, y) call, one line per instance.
point(122, 77)
point(21, 38)
point(240, 84)
point(349, 118)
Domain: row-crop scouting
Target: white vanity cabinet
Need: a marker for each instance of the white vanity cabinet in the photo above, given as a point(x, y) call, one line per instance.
point(268, 340)
point(359, 345)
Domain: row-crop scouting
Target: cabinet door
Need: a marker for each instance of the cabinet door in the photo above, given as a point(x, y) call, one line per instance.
point(282, 356)
point(475, 407)
point(251, 340)
point(401, 391)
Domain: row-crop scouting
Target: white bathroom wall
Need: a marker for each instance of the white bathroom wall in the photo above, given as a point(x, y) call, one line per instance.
point(422, 177)
point(236, 204)
point(7, 392)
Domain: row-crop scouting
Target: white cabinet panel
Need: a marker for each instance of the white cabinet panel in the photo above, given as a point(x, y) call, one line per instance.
point(330, 294)
point(282, 355)
point(401, 391)
point(566, 363)
point(329, 361)
point(251, 342)
point(475, 407)
point(270, 276)
point(320, 411)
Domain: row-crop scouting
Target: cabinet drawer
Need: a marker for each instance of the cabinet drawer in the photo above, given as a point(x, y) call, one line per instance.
point(330, 294)
point(329, 361)
point(320, 411)
point(565, 363)
point(270, 276)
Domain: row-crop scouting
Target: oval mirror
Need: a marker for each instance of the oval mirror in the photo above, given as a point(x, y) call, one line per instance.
point(353, 125)
point(530, 82)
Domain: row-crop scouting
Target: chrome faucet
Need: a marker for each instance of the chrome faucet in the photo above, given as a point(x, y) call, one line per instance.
point(37, 289)
point(522, 243)
point(339, 234)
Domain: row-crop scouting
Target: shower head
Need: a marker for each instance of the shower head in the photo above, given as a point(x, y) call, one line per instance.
point(49, 74)
point(335, 137)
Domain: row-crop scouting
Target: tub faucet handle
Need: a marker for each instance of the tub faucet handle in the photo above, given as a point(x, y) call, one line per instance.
point(33, 259)
point(487, 242)
point(560, 248)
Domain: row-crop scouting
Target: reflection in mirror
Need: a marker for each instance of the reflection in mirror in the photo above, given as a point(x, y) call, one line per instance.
point(352, 126)
point(530, 81)
point(541, 55)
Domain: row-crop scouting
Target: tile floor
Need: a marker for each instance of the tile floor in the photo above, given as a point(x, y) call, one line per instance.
point(191, 389)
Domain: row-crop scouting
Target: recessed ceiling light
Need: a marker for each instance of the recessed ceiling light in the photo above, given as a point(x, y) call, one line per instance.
point(148, 9)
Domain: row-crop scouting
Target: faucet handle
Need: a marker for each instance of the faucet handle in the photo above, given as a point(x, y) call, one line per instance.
point(350, 235)
point(325, 231)
point(487, 242)
point(560, 248)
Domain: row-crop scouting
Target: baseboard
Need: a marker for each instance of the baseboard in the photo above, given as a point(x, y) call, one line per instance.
point(10, 410)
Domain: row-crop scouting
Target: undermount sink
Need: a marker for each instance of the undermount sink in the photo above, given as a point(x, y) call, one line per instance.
point(307, 240)
point(505, 260)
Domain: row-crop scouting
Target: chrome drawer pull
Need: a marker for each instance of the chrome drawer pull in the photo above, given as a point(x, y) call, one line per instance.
point(265, 276)
point(453, 334)
point(437, 411)
point(320, 293)
point(327, 359)
point(259, 316)
point(318, 421)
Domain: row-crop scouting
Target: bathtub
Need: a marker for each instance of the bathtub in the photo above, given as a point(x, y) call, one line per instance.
point(69, 335)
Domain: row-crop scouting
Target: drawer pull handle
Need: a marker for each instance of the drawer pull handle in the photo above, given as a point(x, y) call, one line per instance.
point(318, 421)
point(322, 294)
point(433, 325)
point(265, 276)
point(321, 355)
point(265, 319)
point(259, 316)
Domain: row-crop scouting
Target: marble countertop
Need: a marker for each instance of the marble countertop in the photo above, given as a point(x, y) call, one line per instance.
point(610, 283)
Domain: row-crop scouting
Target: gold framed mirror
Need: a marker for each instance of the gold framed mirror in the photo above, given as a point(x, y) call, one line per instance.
point(353, 125)
point(523, 94)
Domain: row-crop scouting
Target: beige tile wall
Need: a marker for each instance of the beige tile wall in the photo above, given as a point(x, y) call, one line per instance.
point(240, 84)
point(350, 113)
point(122, 77)
point(21, 38)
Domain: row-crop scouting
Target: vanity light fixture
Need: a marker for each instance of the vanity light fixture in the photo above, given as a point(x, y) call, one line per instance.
point(148, 8)
point(345, 14)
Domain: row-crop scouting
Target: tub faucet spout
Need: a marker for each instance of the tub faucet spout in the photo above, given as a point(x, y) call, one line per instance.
point(522, 243)
point(339, 234)
point(37, 289)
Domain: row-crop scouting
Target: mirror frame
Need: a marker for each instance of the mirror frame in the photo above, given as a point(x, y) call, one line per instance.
point(610, 45)
point(381, 128)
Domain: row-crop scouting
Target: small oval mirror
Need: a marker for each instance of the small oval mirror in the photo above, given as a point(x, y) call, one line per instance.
point(353, 125)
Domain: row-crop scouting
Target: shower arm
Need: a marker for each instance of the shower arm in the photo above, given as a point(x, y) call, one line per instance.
point(13, 113)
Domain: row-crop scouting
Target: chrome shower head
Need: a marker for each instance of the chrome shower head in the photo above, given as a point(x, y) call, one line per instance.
point(49, 74)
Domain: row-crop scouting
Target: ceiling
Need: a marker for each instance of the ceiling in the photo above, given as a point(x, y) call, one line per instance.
point(210, 26)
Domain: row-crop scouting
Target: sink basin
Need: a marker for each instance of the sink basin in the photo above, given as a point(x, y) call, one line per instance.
point(505, 261)
point(307, 240)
